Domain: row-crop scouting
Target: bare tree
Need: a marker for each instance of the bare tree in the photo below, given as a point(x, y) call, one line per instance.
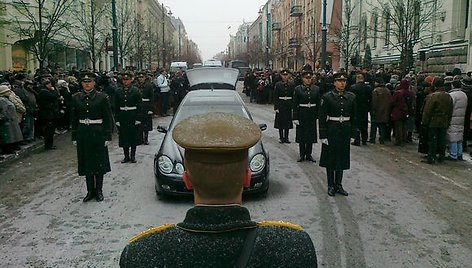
point(91, 31)
point(40, 23)
point(405, 20)
point(127, 28)
point(347, 36)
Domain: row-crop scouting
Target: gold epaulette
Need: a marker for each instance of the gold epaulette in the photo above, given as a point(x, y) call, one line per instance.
point(150, 231)
point(280, 224)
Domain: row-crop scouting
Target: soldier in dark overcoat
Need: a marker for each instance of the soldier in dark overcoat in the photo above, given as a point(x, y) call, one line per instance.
point(337, 124)
point(92, 124)
point(306, 100)
point(147, 93)
point(218, 230)
point(128, 117)
point(283, 104)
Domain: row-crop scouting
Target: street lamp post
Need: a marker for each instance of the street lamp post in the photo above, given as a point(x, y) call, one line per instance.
point(164, 9)
point(324, 31)
point(115, 35)
point(180, 46)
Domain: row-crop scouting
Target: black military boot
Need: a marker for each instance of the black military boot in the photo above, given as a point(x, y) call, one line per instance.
point(145, 137)
point(286, 136)
point(330, 175)
point(126, 152)
point(308, 151)
point(338, 183)
point(133, 154)
point(98, 191)
point(90, 189)
point(301, 149)
point(281, 136)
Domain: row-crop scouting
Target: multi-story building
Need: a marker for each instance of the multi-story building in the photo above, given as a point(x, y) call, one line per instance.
point(238, 44)
point(287, 34)
point(15, 44)
point(443, 40)
point(141, 43)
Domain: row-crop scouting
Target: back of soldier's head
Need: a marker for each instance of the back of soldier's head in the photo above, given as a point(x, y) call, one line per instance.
point(216, 152)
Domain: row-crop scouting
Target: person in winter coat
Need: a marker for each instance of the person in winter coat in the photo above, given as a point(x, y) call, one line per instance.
point(437, 113)
point(147, 93)
point(306, 103)
point(380, 111)
point(10, 132)
point(455, 132)
point(337, 116)
point(466, 85)
point(31, 109)
point(48, 101)
point(283, 102)
point(363, 93)
point(399, 111)
point(92, 122)
point(129, 118)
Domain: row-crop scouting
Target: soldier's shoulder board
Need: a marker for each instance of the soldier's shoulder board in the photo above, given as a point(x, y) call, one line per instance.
point(280, 224)
point(156, 229)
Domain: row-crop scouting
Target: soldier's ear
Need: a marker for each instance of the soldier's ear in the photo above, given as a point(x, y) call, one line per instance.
point(187, 182)
point(247, 178)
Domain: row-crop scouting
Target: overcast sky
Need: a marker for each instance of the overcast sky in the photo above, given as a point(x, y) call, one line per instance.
point(207, 21)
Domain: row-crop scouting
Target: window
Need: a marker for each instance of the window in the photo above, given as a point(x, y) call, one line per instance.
point(375, 28)
point(387, 27)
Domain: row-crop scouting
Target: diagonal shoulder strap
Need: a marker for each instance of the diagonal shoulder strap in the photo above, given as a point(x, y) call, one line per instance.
point(247, 248)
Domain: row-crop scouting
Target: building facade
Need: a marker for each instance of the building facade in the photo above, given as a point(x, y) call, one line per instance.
point(287, 34)
point(442, 41)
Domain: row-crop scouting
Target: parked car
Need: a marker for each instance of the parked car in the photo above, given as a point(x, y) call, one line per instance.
point(168, 161)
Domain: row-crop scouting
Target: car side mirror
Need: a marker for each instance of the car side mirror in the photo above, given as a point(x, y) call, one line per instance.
point(263, 127)
point(162, 129)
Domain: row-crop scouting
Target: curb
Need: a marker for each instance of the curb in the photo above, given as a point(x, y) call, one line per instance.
point(23, 152)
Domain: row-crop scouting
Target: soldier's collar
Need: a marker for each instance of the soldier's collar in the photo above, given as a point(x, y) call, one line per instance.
point(216, 219)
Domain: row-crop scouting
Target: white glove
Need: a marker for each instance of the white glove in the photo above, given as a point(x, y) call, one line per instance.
point(137, 122)
point(150, 112)
point(296, 122)
point(277, 111)
point(324, 141)
point(117, 124)
point(75, 143)
point(107, 143)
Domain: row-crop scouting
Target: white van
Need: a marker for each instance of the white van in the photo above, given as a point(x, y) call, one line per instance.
point(178, 66)
point(212, 63)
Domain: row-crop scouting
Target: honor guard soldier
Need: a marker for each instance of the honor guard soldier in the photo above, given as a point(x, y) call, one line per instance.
point(218, 230)
point(337, 124)
point(147, 93)
point(283, 103)
point(128, 117)
point(306, 99)
point(92, 124)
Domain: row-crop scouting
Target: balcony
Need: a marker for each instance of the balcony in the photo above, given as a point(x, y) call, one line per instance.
point(276, 26)
point(293, 43)
point(296, 11)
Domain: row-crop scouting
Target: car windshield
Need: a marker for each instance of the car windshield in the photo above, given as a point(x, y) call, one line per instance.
point(187, 111)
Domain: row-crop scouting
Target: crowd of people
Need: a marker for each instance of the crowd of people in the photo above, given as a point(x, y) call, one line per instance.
point(38, 105)
point(397, 104)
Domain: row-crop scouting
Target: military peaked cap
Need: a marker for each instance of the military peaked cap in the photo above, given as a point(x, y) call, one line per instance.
point(307, 73)
point(216, 137)
point(284, 72)
point(87, 76)
point(339, 76)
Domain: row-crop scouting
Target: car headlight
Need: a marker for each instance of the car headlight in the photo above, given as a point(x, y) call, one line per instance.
point(257, 163)
point(165, 164)
point(179, 168)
